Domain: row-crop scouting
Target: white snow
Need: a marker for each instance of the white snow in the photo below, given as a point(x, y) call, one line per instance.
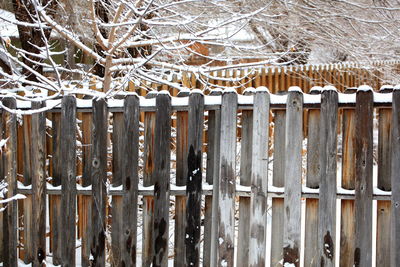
point(7, 29)
point(364, 88)
point(17, 196)
point(295, 89)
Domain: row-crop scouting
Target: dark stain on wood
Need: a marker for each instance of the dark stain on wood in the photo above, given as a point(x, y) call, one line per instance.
point(328, 246)
point(291, 255)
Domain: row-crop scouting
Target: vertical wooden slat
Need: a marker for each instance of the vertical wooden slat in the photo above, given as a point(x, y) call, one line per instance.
point(130, 180)
point(347, 224)
point(313, 175)
point(194, 178)
point(86, 204)
point(212, 174)
point(245, 180)
point(148, 180)
point(99, 179)
point(383, 234)
point(181, 173)
point(259, 178)
point(278, 180)
point(55, 201)
point(9, 174)
point(38, 154)
point(226, 196)
point(28, 245)
point(363, 181)
point(68, 179)
point(292, 205)
point(395, 170)
point(161, 179)
point(117, 211)
point(327, 187)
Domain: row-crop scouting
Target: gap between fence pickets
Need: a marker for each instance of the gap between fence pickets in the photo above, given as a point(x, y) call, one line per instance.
point(273, 191)
point(212, 102)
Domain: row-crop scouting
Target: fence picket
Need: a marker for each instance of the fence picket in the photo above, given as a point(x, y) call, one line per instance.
point(313, 175)
point(68, 179)
point(194, 178)
point(130, 180)
point(395, 170)
point(99, 179)
point(226, 195)
point(383, 234)
point(363, 182)
point(38, 153)
point(259, 178)
point(292, 204)
point(327, 187)
point(9, 174)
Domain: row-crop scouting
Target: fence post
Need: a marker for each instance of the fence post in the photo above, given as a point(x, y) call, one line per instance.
point(395, 170)
point(130, 180)
point(38, 153)
point(194, 178)
point(327, 186)
point(212, 176)
point(162, 179)
point(311, 254)
point(9, 174)
point(99, 179)
point(245, 180)
point(181, 173)
point(259, 178)
point(363, 182)
point(383, 234)
point(293, 170)
point(68, 179)
point(226, 196)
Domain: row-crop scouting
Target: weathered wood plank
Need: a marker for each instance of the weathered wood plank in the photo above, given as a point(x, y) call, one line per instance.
point(162, 138)
point(278, 180)
point(245, 180)
point(347, 222)
point(118, 148)
point(130, 180)
point(9, 175)
point(395, 170)
point(38, 155)
point(212, 176)
point(55, 201)
point(292, 205)
point(327, 186)
point(181, 173)
point(194, 178)
point(363, 178)
point(226, 196)
point(68, 179)
point(99, 179)
point(148, 180)
point(383, 234)
point(313, 175)
point(259, 178)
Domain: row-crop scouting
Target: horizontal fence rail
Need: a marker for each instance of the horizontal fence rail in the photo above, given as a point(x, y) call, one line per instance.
point(224, 179)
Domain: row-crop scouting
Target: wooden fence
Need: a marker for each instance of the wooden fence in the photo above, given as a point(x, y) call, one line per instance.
point(219, 196)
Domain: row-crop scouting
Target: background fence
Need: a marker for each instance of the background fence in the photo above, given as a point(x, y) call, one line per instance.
point(95, 159)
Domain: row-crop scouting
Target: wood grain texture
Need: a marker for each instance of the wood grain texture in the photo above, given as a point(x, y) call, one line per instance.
point(181, 176)
point(9, 175)
point(38, 154)
point(259, 179)
point(226, 196)
point(395, 170)
point(293, 172)
point(99, 179)
point(68, 179)
point(327, 187)
point(212, 177)
point(130, 181)
point(363, 179)
point(161, 179)
point(194, 179)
